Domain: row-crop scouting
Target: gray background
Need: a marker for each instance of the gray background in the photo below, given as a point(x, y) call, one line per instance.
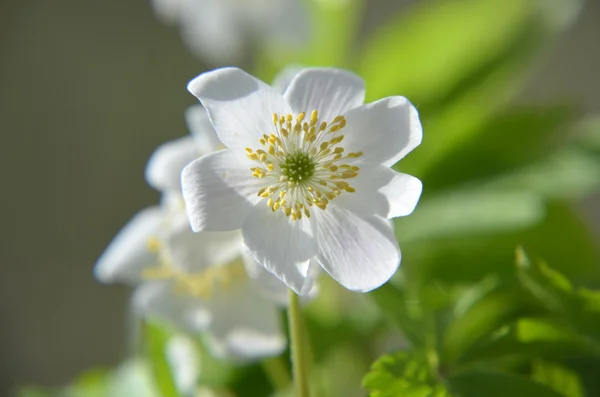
point(87, 90)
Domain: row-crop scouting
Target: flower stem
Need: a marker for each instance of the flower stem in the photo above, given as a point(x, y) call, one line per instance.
point(277, 372)
point(298, 347)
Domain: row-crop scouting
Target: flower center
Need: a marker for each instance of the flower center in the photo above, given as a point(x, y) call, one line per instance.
point(297, 167)
point(202, 284)
point(303, 164)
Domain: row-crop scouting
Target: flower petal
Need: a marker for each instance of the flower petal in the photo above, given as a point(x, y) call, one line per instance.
point(240, 106)
point(163, 171)
point(284, 247)
point(403, 193)
point(385, 130)
point(266, 283)
point(330, 91)
point(160, 300)
point(219, 192)
point(202, 130)
point(194, 252)
point(212, 31)
point(128, 254)
point(381, 191)
point(359, 251)
point(245, 326)
point(184, 361)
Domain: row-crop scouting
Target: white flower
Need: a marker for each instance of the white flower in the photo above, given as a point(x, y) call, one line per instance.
point(220, 30)
point(197, 282)
point(306, 175)
point(184, 361)
point(202, 282)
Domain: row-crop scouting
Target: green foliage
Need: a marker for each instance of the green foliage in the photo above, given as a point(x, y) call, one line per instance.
point(463, 320)
point(156, 339)
point(495, 337)
point(494, 384)
point(561, 379)
point(403, 374)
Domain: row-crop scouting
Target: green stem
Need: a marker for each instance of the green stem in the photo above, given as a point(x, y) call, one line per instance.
point(298, 347)
point(277, 373)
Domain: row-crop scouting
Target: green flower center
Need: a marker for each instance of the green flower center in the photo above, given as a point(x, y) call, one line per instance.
point(298, 167)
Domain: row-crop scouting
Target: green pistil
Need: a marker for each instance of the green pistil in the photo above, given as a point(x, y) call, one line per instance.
point(298, 167)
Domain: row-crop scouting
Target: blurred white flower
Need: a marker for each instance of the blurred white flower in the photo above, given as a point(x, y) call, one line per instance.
point(201, 282)
point(306, 175)
point(220, 30)
point(184, 361)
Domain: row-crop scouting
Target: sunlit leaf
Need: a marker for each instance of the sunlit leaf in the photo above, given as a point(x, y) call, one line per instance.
point(156, 339)
point(402, 374)
point(569, 174)
point(426, 52)
point(401, 311)
point(559, 378)
point(470, 211)
point(533, 338)
point(490, 313)
point(507, 142)
point(458, 68)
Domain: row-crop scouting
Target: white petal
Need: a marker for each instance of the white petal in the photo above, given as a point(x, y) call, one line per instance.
point(194, 252)
point(330, 91)
point(163, 171)
point(385, 130)
point(245, 325)
point(240, 106)
point(284, 247)
point(280, 23)
point(275, 290)
point(403, 193)
point(184, 361)
point(202, 130)
point(359, 251)
point(381, 191)
point(267, 284)
point(219, 192)
point(211, 30)
point(128, 254)
point(161, 301)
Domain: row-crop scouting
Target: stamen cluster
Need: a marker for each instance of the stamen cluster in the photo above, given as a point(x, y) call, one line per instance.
point(303, 163)
point(200, 284)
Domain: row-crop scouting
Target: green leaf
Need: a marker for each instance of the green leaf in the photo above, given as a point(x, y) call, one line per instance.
point(568, 174)
point(395, 306)
point(156, 339)
point(492, 384)
point(487, 315)
point(588, 134)
point(507, 142)
point(426, 51)
point(533, 338)
point(470, 211)
point(402, 374)
point(561, 379)
point(549, 287)
point(459, 69)
point(577, 307)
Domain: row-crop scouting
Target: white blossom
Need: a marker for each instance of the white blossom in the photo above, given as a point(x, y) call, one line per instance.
point(306, 175)
point(201, 282)
point(220, 30)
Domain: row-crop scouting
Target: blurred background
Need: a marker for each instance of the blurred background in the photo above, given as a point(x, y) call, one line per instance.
point(88, 89)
